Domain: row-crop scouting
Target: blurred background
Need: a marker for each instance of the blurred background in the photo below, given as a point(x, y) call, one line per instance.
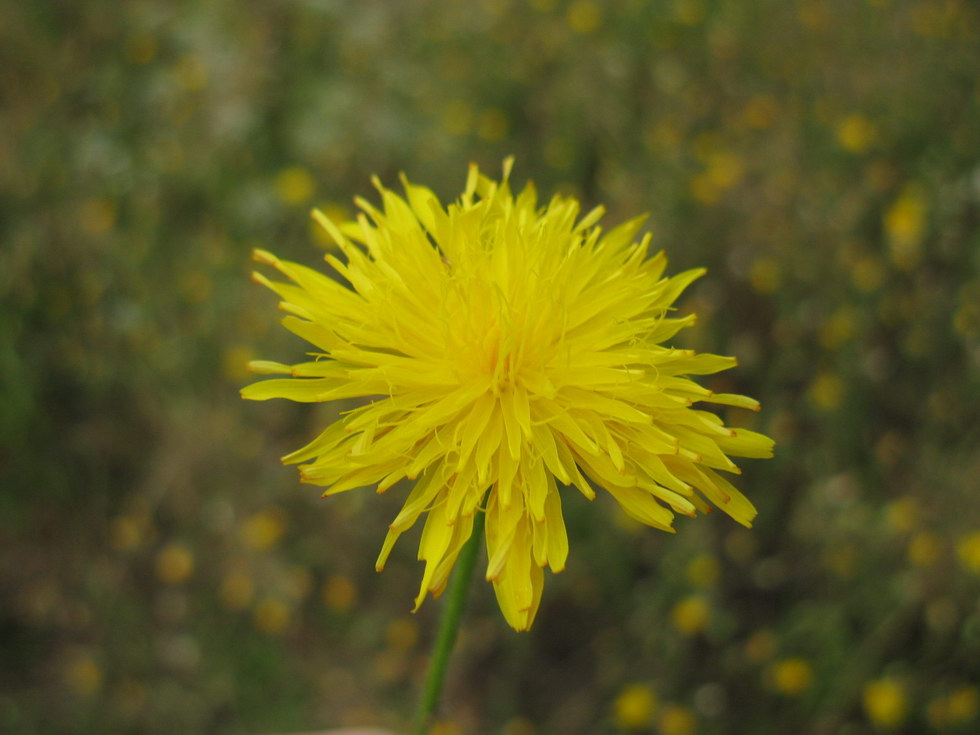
point(161, 572)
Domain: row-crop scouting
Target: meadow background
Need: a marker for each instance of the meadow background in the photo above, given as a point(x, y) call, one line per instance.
point(161, 572)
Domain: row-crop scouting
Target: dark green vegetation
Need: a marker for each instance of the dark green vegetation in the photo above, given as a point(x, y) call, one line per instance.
point(162, 573)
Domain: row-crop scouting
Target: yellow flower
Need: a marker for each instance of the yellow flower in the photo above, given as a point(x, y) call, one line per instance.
point(237, 589)
point(271, 616)
point(963, 704)
point(294, 185)
point(634, 707)
point(339, 593)
point(507, 349)
point(924, 549)
point(792, 676)
point(905, 223)
point(968, 550)
point(856, 133)
point(584, 16)
point(262, 530)
point(677, 720)
point(83, 675)
point(691, 615)
point(959, 707)
point(175, 564)
point(885, 703)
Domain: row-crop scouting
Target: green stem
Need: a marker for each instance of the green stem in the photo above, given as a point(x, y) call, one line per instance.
point(459, 585)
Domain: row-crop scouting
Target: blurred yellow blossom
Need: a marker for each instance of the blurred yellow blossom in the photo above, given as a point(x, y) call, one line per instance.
point(402, 634)
point(968, 551)
point(690, 12)
point(634, 707)
point(262, 530)
point(174, 563)
point(903, 514)
point(924, 549)
point(97, 216)
point(128, 532)
point(723, 170)
point(191, 73)
point(885, 703)
point(966, 320)
point(676, 720)
point(904, 225)
point(83, 675)
point(962, 705)
point(584, 16)
point(791, 676)
point(690, 615)
point(339, 593)
point(295, 185)
point(868, 273)
point(271, 616)
point(839, 328)
point(856, 133)
point(958, 708)
point(445, 727)
point(237, 590)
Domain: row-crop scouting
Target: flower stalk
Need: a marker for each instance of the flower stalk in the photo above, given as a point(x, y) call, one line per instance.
point(452, 614)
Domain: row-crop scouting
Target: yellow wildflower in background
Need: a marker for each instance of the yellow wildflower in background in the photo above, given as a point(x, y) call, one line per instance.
point(175, 564)
point(677, 720)
point(691, 615)
point(968, 550)
point(83, 675)
point(791, 676)
point(634, 707)
point(508, 349)
point(885, 703)
point(905, 223)
point(294, 185)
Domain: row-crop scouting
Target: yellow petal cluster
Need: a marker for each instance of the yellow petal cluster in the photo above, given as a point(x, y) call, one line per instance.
point(507, 350)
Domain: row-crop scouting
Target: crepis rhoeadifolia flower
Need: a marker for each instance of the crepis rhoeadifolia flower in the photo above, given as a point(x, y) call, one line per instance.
point(508, 353)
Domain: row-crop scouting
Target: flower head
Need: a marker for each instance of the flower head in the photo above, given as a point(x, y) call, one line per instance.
point(508, 351)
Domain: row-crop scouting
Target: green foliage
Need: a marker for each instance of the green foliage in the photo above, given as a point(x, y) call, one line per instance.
point(162, 573)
